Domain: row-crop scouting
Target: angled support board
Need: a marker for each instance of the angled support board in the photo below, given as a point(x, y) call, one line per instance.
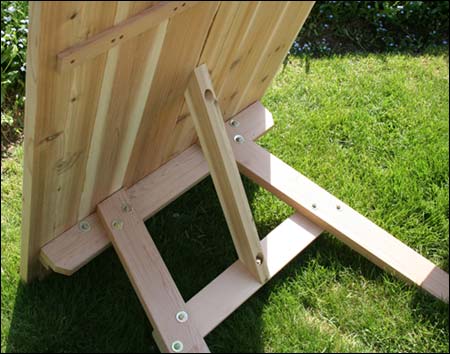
point(150, 277)
point(333, 215)
point(205, 111)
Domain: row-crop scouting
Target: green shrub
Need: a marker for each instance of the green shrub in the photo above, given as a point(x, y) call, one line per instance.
point(14, 31)
point(375, 26)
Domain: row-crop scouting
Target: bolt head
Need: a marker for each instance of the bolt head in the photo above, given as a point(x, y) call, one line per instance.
point(234, 123)
point(177, 346)
point(182, 316)
point(117, 224)
point(84, 226)
point(239, 139)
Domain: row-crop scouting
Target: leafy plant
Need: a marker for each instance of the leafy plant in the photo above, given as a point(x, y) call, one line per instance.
point(373, 26)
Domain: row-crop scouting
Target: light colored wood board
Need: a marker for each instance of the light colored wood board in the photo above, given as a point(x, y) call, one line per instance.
point(148, 274)
point(249, 53)
point(121, 32)
point(208, 121)
point(182, 46)
point(235, 285)
point(54, 157)
point(120, 121)
point(232, 20)
point(73, 249)
point(85, 134)
point(338, 218)
point(278, 44)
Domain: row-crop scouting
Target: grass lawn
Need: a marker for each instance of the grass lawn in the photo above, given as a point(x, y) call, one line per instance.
point(374, 131)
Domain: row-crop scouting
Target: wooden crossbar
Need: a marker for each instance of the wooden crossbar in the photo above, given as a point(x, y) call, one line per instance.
point(338, 218)
point(235, 285)
point(150, 277)
point(120, 33)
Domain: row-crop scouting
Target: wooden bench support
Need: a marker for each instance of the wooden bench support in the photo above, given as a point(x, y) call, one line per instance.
point(119, 220)
point(235, 285)
point(150, 277)
point(338, 218)
point(84, 241)
point(207, 117)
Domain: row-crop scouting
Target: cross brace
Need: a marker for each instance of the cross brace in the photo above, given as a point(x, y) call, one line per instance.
point(180, 326)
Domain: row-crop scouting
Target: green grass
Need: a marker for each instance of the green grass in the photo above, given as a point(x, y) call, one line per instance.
point(373, 130)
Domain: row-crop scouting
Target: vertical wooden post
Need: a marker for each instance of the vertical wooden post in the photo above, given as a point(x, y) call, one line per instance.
point(208, 121)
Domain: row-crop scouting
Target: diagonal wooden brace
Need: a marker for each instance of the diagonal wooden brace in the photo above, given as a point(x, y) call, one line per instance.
point(208, 121)
point(150, 277)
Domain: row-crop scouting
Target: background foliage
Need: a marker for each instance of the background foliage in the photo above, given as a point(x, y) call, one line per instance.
point(333, 27)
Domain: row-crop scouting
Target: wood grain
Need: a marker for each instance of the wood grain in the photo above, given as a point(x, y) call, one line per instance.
point(203, 106)
point(119, 113)
point(121, 32)
point(235, 285)
point(341, 220)
point(74, 248)
point(149, 275)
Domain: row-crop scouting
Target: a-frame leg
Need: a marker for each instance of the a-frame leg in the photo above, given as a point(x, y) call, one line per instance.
point(157, 292)
point(208, 121)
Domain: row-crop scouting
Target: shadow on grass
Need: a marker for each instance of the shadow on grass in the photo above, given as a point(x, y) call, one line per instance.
point(96, 310)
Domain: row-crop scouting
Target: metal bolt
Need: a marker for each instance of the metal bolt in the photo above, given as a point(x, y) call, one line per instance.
point(84, 226)
point(126, 208)
point(177, 346)
point(182, 316)
point(239, 139)
point(338, 207)
point(234, 123)
point(314, 206)
point(117, 224)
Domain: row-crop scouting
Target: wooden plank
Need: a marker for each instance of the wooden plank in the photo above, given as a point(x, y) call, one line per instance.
point(75, 247)
point(56, 139)
point(235, 285)
point(125, 93)
point(208, 121)
point(149, 275)
point(120, 33)
point(183, 43)
point(278, 43)
point(338, 218)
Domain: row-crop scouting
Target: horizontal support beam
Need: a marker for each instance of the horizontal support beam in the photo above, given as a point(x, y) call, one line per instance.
point(120, 33)
point(235, 285)
point(77, 246)
point(338, 218)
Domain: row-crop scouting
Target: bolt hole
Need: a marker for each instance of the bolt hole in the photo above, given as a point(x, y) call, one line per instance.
point(338, 207)
point(113, 40)
point(175, 9)
point(259, 259)
point(72, 61)
point(121, 36)
point(209, 95)
point(314, 206)
point(184, 4)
